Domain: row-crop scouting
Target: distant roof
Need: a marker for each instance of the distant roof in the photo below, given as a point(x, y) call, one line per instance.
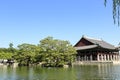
point(96, 42)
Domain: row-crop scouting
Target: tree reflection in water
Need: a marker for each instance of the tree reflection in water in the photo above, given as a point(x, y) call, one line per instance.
point(77, 72)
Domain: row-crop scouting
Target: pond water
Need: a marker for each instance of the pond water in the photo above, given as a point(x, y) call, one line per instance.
point(78, 72)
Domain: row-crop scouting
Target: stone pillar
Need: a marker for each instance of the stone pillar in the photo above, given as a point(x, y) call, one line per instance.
point(114, 57)
point(118, 57)
point(85, 58)
point(98, 58)
point(105, 57)
point(111, 58)
point(91, 57)
point(79, 58)
point(108, 57)
point(101, 57)
point(82, 58)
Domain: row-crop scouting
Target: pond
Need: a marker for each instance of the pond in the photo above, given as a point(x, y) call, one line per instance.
point(78, 72)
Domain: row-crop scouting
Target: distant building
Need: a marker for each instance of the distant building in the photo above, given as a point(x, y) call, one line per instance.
point(90, 49)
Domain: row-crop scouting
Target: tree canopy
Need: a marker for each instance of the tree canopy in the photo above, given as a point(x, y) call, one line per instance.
point(50, 52)
point(57, 52)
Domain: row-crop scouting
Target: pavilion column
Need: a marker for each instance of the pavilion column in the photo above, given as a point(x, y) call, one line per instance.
point(98, 58)
point(111, 58)
point(118, 57)
point(85, 58)
point(82, 58)
point(101, 57)
point(105, 57)
point(108, 57)
point(79, 58)
point(91, 57)
point(114, 57)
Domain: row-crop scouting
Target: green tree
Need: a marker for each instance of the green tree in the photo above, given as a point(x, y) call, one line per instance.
point(26, 54)
point(11, 45)
point(4, 55)
point(7, 53)
point(11, 48)
point(57, 52)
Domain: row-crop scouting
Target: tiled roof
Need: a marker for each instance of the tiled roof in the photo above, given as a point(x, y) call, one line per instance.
point(100, 42)
point(96, 43)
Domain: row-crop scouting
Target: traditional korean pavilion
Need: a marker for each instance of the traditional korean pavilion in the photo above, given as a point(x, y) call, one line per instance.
point(90, 49)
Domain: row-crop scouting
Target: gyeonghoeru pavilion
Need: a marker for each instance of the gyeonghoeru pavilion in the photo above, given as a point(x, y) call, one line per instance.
point(96, 50)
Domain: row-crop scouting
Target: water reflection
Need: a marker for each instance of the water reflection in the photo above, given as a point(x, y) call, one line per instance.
point(78, 72)
point(98, 72)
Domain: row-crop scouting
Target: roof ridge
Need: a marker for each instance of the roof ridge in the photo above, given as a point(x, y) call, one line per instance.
point(92, 38)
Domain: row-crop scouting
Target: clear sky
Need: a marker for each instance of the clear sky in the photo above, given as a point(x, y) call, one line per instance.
point(29, 21)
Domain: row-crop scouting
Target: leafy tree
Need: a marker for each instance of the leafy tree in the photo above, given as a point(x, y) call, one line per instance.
point(26, 54)
point(7, 53)
point(11, 48)
point(4, 55)
point(57, 52)
point(11, 45)
point(50, 52)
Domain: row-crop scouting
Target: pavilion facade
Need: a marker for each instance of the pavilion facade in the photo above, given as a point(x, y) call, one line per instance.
point(90, 49)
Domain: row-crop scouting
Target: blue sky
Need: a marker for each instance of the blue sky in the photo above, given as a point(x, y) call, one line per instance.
point(29, 21)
